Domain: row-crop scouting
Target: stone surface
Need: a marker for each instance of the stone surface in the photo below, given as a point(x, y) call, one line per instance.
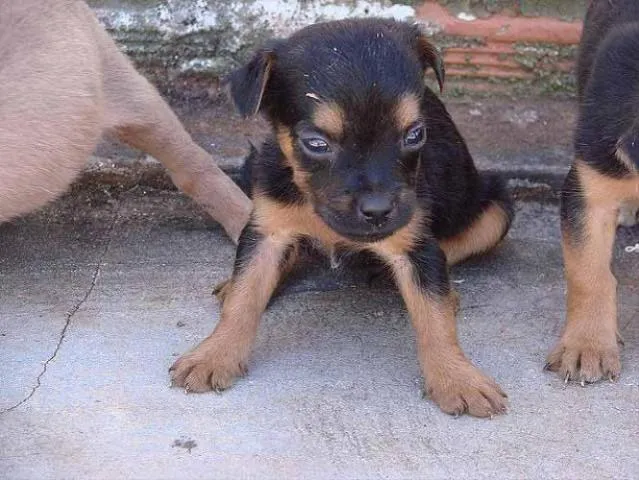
point(182, 43)
point(334, 387)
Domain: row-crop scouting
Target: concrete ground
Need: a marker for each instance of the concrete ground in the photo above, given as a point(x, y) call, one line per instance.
point(100, 292)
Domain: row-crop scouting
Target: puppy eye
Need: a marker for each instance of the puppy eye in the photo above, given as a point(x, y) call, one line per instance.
point(316, 145)
point(415, 136)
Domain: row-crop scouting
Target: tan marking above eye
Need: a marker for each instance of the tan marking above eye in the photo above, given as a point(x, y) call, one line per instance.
point(329, 118)
point(407, 111)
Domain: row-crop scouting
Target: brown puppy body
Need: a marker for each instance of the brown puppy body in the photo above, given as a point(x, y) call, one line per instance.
point(363, 158)
point(64, 83)
point(603, 181)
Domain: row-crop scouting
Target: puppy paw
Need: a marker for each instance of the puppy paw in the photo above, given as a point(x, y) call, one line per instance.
point(467, 390)
point(585, 358)
point(206, 369)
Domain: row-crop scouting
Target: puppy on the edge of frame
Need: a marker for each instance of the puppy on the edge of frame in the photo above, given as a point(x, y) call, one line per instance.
point(63, 83)
point(362, 157)
point(602, 182)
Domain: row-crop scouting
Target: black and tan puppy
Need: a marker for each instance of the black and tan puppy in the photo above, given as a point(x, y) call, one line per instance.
point(363, 157)
point(603, 179)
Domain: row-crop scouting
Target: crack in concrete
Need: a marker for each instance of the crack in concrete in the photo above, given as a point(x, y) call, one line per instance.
point(69, 316)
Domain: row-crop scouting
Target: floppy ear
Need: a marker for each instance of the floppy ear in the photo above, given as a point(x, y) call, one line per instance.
point(429, 55)
point(248, 83)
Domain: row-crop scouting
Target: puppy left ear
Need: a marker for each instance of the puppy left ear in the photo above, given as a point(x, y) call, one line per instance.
point(429, 55)
point(247, 84)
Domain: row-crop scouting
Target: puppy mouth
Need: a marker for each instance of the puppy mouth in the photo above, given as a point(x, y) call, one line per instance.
point(358, 231)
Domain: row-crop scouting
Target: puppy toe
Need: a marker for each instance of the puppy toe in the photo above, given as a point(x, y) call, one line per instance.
point(585, 362)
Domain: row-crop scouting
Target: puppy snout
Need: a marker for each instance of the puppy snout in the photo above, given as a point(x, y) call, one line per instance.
point(375, 208)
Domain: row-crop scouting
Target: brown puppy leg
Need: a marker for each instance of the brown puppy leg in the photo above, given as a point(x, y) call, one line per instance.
point(451, 380)
point(587, 350)
point(139, 117)
point(222, 289)
point(223, 356)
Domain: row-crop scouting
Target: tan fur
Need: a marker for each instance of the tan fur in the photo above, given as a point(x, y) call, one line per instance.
point(451, 380)
point(298, 221)
point(64, 83)
point(285, 141)
point(587, 350)
point(407, 111)
point(481, 236)
point(403, 239)
point(329, 118)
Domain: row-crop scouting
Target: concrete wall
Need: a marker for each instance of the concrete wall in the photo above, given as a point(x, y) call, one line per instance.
point(179, 42)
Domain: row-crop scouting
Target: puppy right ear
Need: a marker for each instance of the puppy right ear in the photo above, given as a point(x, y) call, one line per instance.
point(248, 83)
point(429, 55)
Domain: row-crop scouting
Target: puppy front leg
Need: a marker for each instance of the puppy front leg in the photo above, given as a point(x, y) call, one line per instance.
point(222, 356)
point(451, 380)
point(587, 350)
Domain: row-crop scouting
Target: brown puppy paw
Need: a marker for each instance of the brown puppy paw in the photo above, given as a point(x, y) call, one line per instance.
point(207, 368)
point(467, 390)
point(585, 358)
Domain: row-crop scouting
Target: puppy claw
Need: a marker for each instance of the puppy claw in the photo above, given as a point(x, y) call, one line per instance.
point(585, 361)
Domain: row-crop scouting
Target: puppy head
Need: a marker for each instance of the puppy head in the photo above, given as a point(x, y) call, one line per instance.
point(344, 99)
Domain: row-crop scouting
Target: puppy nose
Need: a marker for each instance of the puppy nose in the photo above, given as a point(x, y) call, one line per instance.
point(375, 208)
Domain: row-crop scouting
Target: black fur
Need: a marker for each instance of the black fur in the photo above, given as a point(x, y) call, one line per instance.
point(266, 171)
point(573, 207)
point(250, 238)
point(608, 87)
point(247, 84)
point(429, 267)
point(608, 82)
point(365, 67)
